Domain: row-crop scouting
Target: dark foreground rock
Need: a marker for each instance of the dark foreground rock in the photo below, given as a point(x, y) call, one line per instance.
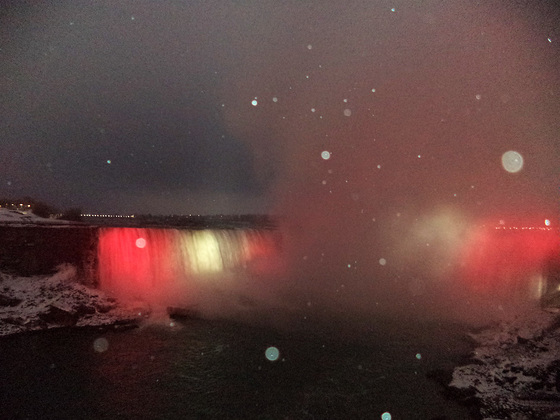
point(9, 301)
point(183, 313)
point(515, 371)
point(57, 301)
point(57, 316)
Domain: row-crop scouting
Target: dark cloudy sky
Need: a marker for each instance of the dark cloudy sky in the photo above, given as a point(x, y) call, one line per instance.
point(146, 106)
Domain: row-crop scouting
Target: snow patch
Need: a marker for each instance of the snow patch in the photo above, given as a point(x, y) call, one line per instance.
point(516, 369)
point(43, 302)
point(17, 218)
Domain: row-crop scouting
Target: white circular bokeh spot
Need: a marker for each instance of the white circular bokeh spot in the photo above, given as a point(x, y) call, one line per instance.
point(140, 242)
point(100, 345)
point(325, 154)
point(382, 261)
point(512, 161)
point(272, 353)
point(386, 416)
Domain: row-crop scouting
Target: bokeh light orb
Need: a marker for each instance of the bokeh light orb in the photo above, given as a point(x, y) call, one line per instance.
point(382, 261)
point(386, 416)
point(100, 345)
point(272, 353)
point(546, 222)
point(140, 242)
point(326, 154)
point(512, 161)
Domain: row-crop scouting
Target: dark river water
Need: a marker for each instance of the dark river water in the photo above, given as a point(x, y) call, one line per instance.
point(214, 369)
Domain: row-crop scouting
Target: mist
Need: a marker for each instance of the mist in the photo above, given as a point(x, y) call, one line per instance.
point(382, 135)
point(389, 161)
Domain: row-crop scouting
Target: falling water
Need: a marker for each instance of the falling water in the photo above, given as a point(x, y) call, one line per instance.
point(512, 260)
point(171, 266)
point(216, 270)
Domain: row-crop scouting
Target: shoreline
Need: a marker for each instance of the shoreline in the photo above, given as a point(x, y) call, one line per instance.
point(514, 369)
point(42, 303)
point(514, 372)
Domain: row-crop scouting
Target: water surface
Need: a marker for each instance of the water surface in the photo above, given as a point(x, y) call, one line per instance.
point(215, 369)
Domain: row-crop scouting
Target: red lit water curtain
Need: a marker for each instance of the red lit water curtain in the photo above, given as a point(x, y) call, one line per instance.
point(496, 258)
point(134, 263)
point(153, 264)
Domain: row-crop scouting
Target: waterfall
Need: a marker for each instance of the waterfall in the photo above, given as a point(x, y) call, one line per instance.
point(171, 266)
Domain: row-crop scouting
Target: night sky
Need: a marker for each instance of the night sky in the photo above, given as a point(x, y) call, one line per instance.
point(147, 107)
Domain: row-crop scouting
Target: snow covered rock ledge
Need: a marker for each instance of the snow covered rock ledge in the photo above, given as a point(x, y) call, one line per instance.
point(515, 372)
point(43, 302)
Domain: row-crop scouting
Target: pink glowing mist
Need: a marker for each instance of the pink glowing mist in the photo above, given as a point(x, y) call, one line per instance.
point(385, 144)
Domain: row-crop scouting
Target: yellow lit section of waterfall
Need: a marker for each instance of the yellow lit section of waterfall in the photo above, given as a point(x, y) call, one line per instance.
point(204, 252)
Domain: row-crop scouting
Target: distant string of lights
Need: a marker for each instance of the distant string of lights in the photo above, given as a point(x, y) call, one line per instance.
point(522, 228)
point(18, 206)
point(122, 216)
point(547, 226)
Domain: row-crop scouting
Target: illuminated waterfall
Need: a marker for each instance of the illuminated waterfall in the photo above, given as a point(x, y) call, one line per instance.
point(511, 262)
point(165, 265)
